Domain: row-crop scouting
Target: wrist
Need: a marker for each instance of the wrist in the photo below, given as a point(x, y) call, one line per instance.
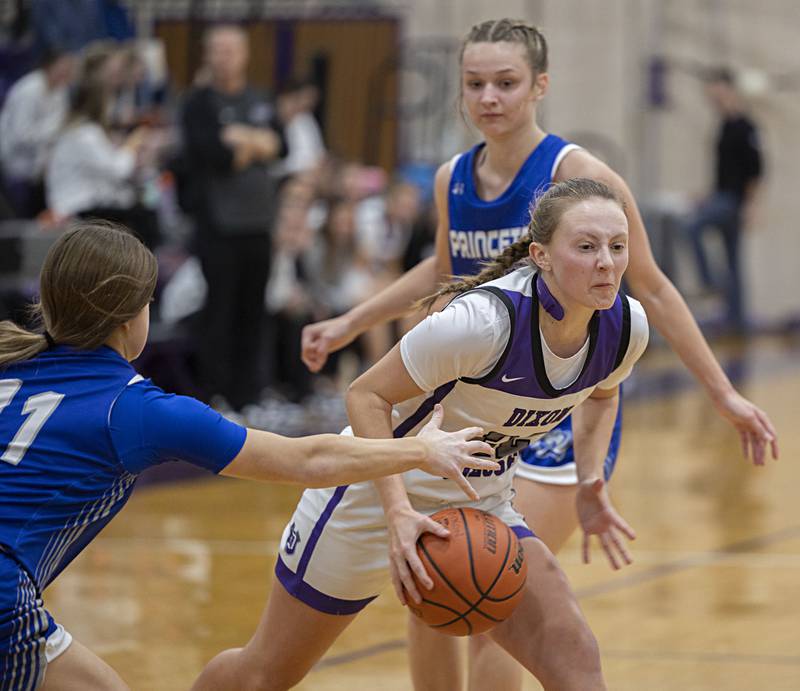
point(719, 391)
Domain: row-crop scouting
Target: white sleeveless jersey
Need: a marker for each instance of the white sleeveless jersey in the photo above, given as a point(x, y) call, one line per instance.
point(483, 360)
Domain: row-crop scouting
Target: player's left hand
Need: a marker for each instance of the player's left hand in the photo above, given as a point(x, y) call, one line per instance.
point(752, 423)
point(598, 517)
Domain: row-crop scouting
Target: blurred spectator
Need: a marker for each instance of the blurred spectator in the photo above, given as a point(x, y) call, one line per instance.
point(340, 274)
point(138, 98)
point(738, 168)
point(385, 224)
point(296, 104)
point(290, 298)
point(88, 174)
point(66, 24)
point(32, 116)
point(231, 138)
point(73, 24)
point(117, 22)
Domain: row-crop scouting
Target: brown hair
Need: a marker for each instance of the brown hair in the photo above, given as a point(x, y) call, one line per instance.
point(546, 214)
point(511, 31)
point(95, 277)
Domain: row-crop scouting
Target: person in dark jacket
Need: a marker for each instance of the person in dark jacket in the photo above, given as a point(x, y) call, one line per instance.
point(231, 139)
point(738, 163)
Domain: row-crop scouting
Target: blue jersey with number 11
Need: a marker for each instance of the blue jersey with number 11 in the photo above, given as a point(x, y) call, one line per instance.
point(76, 427)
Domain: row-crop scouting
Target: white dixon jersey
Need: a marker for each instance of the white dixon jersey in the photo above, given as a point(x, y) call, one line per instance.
point(483, 358)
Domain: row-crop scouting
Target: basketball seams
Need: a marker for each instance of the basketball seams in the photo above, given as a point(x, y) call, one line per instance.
point(485, 595)
point(484, 599)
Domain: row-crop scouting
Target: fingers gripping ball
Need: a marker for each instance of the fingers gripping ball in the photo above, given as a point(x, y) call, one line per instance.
point(478, 573)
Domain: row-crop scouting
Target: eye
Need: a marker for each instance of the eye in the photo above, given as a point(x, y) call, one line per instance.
point(507, 83)
point(474, 84)
point(618, 246)
point(586, 246)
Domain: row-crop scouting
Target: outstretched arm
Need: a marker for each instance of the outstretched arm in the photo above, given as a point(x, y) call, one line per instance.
point(592, 425)
point(668, 312)
point(392, 302)
point(328, 460)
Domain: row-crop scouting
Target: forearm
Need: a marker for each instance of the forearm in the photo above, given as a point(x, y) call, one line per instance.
point(395, 300)
point(592, 426)
point(323, 460)
point(667, 311)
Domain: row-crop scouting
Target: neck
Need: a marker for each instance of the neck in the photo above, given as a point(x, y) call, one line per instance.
point(564, 337)
point(229, 85)
point(116, 342)
point(505, 156)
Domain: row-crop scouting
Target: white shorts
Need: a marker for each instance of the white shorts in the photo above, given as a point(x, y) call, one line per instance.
point(334, 553)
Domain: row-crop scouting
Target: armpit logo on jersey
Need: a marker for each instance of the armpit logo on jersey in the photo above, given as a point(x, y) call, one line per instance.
point(292, 540)
point(523, 417)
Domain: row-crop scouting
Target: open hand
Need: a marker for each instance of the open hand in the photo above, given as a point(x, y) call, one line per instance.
point(451, 452)
point(598, 517)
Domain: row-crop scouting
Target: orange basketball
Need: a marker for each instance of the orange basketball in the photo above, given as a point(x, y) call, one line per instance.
point(478, 573)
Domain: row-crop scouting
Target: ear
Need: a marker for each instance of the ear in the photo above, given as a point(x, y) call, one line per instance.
point(540, 85)
point(540, 256)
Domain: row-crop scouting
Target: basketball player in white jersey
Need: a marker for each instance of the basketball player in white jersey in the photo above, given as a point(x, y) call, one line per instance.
point(482, 200)
point(543, 334)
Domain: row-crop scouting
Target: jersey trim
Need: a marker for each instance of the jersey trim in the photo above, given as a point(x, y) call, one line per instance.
point(538, 356)
point(560, 157)
point(512, 317)
point(625, 335)
point(424, 410)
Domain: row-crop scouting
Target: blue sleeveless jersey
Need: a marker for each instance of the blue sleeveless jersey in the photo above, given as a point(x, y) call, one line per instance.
point(480, 230)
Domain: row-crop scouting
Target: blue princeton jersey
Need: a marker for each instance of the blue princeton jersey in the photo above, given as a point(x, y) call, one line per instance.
point(479, 229)
point(76, 427)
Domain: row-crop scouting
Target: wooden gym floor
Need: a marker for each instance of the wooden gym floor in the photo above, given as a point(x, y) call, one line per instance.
point(711, 602)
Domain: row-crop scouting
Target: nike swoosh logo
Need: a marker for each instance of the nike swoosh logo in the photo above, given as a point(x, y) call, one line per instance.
point(505, 379)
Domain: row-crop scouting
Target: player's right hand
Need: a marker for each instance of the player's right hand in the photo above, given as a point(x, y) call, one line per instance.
point(321, 338)
point(451, 452)
point(405, 526)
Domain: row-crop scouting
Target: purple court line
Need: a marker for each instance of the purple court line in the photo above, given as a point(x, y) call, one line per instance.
point(650, 574)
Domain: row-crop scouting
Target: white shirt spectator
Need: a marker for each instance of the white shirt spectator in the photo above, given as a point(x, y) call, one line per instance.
point(304, 143)
point(87, 171)
point(29, 123)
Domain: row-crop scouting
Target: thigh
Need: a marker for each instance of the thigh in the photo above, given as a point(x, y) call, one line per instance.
point(78, 668)
point(547, 633)
point(549, 510)
point(290, 639)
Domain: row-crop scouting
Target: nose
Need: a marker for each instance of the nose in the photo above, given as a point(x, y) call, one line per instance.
point(488, 94)
point(604, 259)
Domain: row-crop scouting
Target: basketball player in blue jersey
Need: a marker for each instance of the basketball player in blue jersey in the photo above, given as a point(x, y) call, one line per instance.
point(77, 426)
point(538, 334)
point(483, 198)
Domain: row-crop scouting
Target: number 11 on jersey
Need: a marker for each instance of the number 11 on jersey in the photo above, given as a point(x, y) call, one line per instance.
point(37, 409)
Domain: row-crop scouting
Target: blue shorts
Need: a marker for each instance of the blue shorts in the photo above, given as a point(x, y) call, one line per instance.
point(29, 637)
point(550, 459)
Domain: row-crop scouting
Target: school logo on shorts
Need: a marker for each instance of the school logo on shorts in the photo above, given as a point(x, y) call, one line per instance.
point(293, 540)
